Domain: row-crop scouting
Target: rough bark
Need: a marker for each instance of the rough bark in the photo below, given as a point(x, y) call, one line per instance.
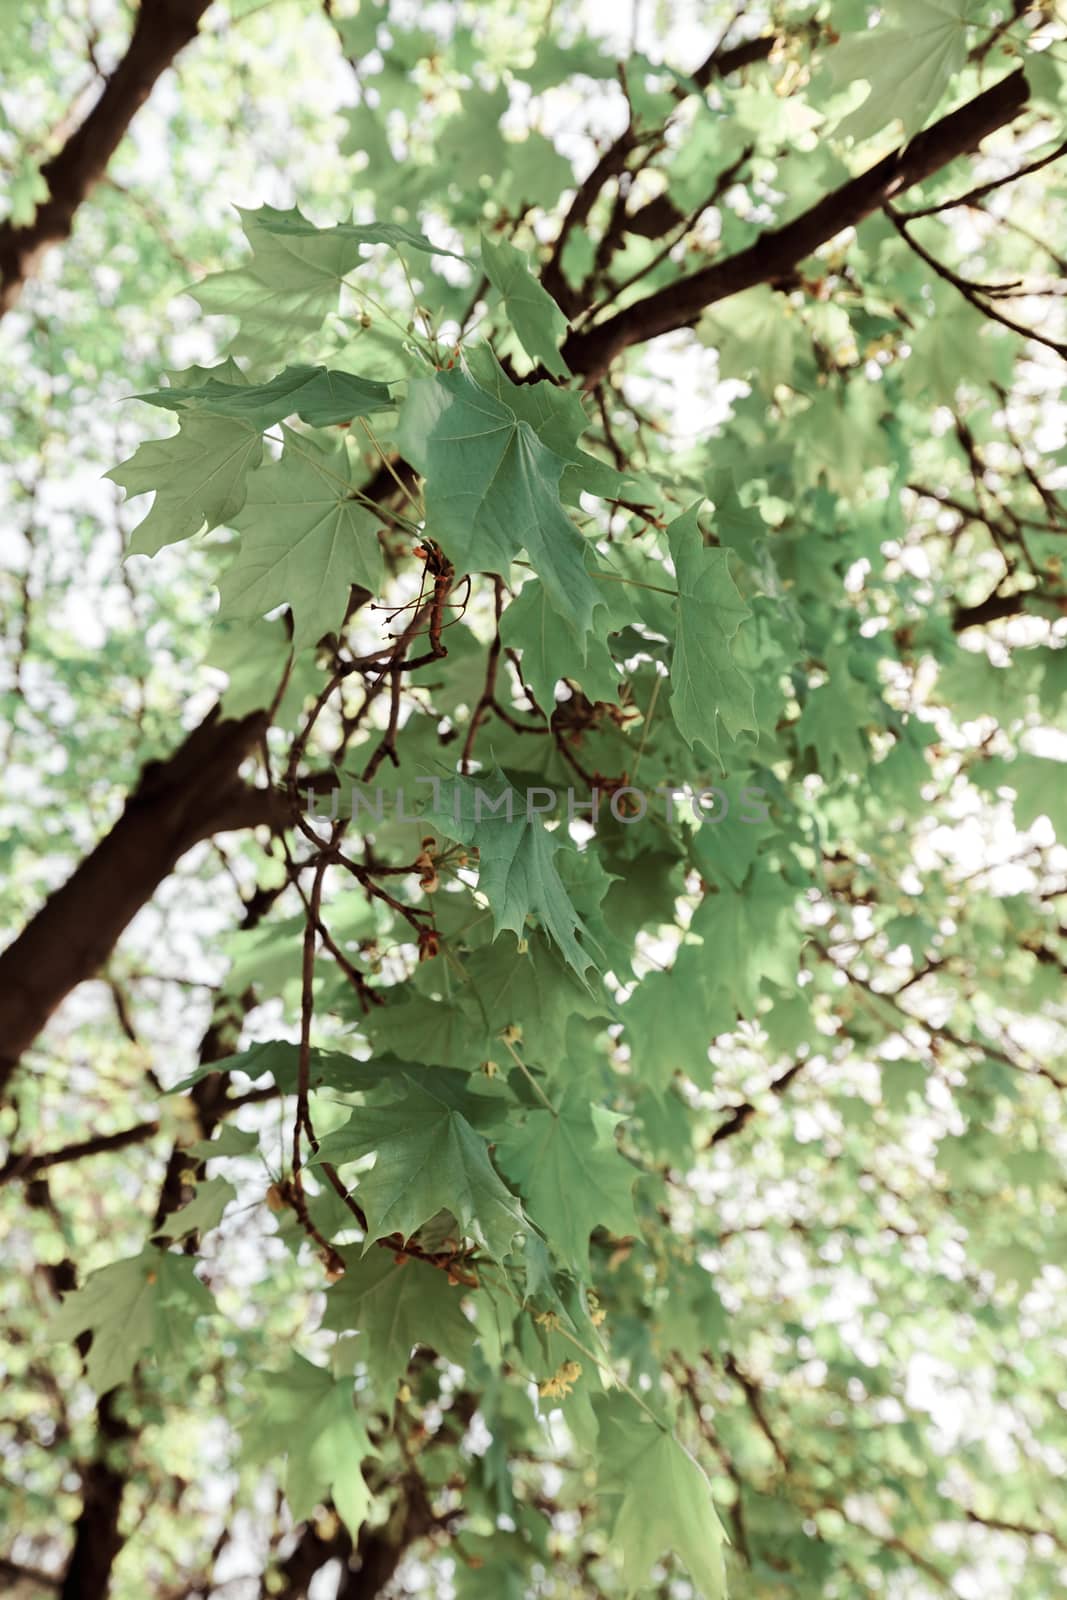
point(162, 29)
point(779, 251)
point(97, 1536)
point(193, 794)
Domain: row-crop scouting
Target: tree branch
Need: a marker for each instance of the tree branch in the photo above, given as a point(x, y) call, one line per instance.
point(976, 294)
point(177, 803)
point(162, 29)
point(780, 250)
point(24, 1167)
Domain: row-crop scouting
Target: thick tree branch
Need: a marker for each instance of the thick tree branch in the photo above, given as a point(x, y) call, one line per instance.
point(780, 250)
point(162, 29)
point(720, 63)
point(97, 1535)
point(656, 218)
point(18, 1572)
point(177, 803)
point(992, 609)
point(27, 1166)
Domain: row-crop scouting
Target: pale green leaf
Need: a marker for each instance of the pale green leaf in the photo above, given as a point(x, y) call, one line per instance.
point(428, 1159)
point(658, 1498)
point(147, 1301)
point(392, 1305)
point(305, 541)
point(198, 475)
point(535, 316)
point(567, 1167)
point(909, 60)
point(204, 1210)
point(516, 867)
point(492, 488)
point(316, 394)
point(706, 683)
point(313, 1417)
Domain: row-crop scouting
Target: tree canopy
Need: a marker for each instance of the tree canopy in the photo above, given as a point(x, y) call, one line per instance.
point(532, 1023)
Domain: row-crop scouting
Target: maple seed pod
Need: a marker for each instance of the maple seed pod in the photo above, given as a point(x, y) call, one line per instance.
point(429, 881)
point(327, 1524)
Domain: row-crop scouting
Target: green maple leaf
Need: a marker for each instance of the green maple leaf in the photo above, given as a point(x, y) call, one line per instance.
point(551, 649)
point(834, 717)
point(204, 1210)
point(283, 294)
point(750, 933)
point(145, 1303)
point(908, 66)
point(535, 316)
point(827, 725)
point(1038, 781)
point(955, 345)
point(516, 870)
point(428, 1159)
point(393, 1306)
point(198, 475)
point(492, 488)
point(325, 1440)
point(533, 990)
point(699, 1008)
point(293, 280)
point(292, 225)
point(706, 682)
point(660, 1498)
point(421, 1029)
point(315, 394)
point(229, 1141)
point(280, 1058)
point(760, 336)
point(304, 542)
point(558, 418)
point(568, 1169)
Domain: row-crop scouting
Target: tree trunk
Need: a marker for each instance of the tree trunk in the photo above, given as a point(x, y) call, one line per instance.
point(177, 802)
point(163, 27)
